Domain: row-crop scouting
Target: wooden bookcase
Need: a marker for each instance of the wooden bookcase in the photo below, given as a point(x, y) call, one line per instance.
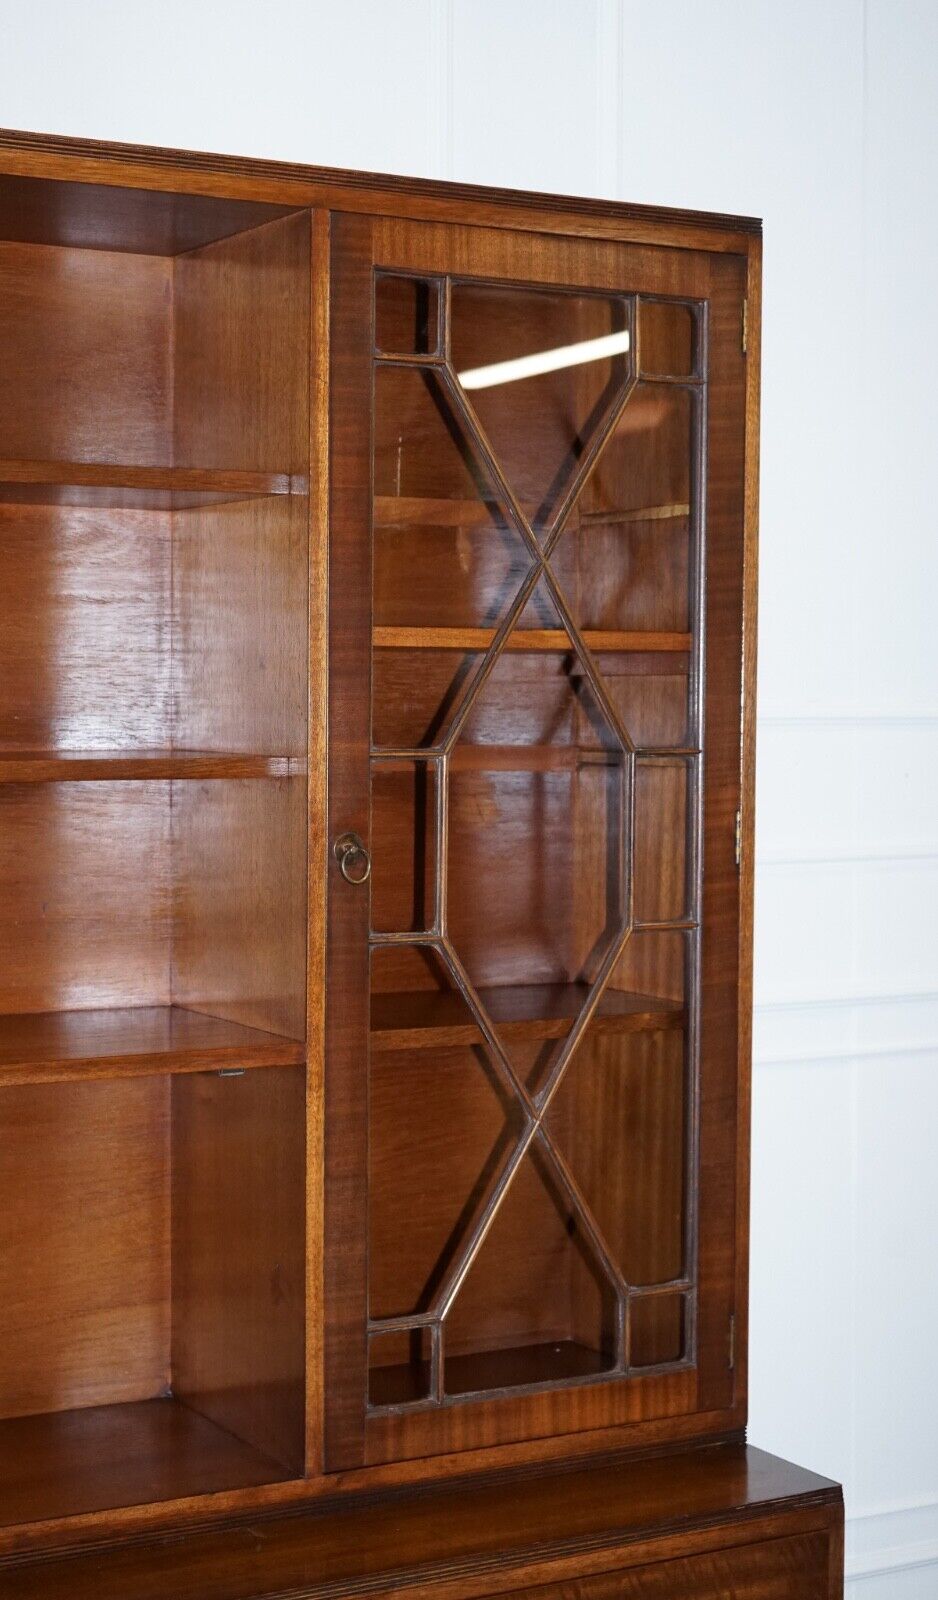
point(376, 721)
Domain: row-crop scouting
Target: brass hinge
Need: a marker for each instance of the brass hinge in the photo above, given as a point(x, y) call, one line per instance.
point(739, 837)
point(731, 1342)
point(744, 331)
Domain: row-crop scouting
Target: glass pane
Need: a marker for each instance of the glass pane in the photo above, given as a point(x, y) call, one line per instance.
point(399, 1367)
point(442, 1126)
point(536, 1306)
point(618, 1117)
point(668, 338)
point(447, 560)
point(661, 888)
point(541, 370)
point(403, 846)
point(632, 524)
point(657, 1329)
point(536, 823)
point(628, 563)
point(406, 315)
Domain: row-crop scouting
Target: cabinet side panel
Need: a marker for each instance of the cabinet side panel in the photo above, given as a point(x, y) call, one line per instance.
point(241, 340)
point(84, 1245)
point(238, 1256)
point(719, 1112)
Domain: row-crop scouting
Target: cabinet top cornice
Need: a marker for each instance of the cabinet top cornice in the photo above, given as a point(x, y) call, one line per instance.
point(293, 185)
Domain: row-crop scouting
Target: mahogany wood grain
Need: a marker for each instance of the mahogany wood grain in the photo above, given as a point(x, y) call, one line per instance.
point(96, 216)
point(345, 1201)
point(87, 356)
point(111, 1455)
point(241, 351)
point(84, 895)
point(476, 1538)
point(111, 766)
point(158, 324)
point(84, 657)
point(747, 803)
point(84, 1250)
point(318, 853)
point(137, 1041)
point(239, 901)
point(523, 639)
point(92, 483)
point(786, 1568)
point(238, 1256)
point(722, 911)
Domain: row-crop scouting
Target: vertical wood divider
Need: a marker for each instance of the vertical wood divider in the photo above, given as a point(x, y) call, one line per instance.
point(317, 845)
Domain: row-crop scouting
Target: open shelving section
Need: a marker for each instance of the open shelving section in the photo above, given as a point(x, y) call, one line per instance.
point(154, 509)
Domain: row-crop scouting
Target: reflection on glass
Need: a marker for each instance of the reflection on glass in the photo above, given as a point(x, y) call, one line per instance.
point(541, 416)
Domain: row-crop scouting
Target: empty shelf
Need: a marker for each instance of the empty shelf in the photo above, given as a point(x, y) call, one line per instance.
point(59, 1046)
point(63, 1463)
point(95, 483)
point(525, 639)
point(102, 766)
point(434, 1020)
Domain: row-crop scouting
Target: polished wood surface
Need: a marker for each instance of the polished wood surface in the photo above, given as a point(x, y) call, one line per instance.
point(477, 1538)
point(84, 1247)
point(84, 896)
point(238, 1267)
point(137, 1041)
point(184, 1288)
point(532, 782)
point(109, 766)
point(188, 178)
point(55, 1465)
point(110, 484)
point(524, 639)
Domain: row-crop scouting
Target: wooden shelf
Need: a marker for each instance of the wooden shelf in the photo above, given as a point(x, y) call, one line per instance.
point(132, 1042)
point(63, 1463)
point(439, 1020)
point(526, 639)
point(111, 766)
point(91, 483)
point(408, 511)
point(406, 1384)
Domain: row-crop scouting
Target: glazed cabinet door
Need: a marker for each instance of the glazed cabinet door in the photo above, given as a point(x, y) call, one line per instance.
point(537, 452)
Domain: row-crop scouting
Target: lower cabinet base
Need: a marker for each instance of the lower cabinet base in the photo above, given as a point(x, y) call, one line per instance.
point(709, 1523)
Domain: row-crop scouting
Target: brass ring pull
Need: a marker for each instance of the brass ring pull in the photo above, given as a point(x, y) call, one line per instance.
point(354, 860)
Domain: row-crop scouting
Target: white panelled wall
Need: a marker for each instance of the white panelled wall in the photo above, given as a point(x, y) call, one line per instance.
point(821, 116)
